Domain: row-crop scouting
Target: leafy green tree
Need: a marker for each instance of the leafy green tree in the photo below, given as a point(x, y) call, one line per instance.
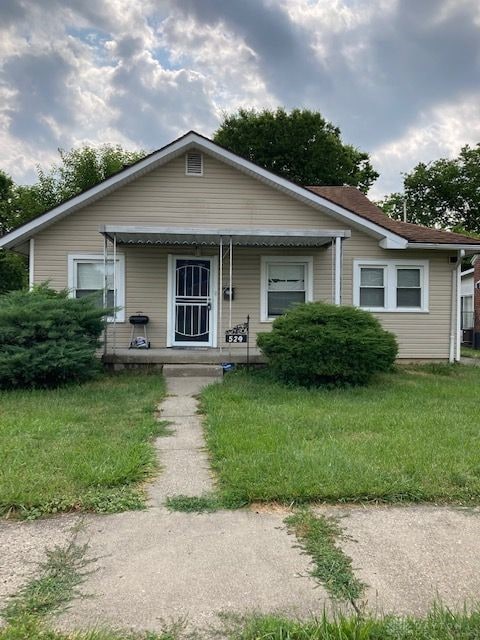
point(301, 146)
point(81, 169)
point(444, 193)
point(13, 271)
point(78, 170)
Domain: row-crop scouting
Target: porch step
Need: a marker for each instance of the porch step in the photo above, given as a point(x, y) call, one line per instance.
point(192, 371)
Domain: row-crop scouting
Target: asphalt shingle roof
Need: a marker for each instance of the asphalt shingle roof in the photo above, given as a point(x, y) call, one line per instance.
point(355, 201)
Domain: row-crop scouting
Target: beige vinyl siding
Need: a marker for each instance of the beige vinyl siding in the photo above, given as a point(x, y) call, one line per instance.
point(225, 197)
point(420, 335)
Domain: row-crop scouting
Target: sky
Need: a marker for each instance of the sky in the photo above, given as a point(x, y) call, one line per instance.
point(401, 78)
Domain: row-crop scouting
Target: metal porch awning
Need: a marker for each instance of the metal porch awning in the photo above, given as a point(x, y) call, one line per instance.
point(245, 237)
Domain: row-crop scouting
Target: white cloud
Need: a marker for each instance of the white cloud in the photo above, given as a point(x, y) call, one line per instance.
point(439, 133)
point(141, 73)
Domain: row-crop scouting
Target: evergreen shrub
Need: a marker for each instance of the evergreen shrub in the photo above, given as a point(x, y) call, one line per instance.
point(47, 339)
point(324, 344)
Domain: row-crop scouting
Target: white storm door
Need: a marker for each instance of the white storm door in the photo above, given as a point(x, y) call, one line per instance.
point(192, 302)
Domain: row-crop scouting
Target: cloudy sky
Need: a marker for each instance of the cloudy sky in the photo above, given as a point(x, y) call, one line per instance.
point(400, 77)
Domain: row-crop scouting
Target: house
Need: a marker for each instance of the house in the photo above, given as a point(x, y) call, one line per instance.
point(197, 238)
point(466, 306)
point(470, 304)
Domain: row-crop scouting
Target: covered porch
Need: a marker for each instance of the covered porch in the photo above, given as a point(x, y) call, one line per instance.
point(198, 285)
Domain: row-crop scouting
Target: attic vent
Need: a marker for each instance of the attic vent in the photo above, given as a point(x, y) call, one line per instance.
point(194, 164)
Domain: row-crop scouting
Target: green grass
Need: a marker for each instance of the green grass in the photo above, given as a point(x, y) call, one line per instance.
point(412, 436)
point(194, 504)
point(31, 629)
point(318, 537)
point(60, 574)
point(82, 447)
point(440, 624)
point(468, 352)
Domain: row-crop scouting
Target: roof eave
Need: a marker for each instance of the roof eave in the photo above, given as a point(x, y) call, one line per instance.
point(175, 148)
point(445, 246)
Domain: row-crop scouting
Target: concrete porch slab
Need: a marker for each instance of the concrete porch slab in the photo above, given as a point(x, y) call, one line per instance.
point(182, 356)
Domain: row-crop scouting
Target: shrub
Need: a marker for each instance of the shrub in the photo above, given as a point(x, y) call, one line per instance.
point(318, 343)
point(47, 338)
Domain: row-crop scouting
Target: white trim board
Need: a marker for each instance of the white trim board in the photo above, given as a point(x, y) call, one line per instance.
point(192, 139)
point(31, 263)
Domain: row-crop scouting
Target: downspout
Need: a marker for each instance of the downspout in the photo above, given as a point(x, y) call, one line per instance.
point(461, 254)
point(454, 354)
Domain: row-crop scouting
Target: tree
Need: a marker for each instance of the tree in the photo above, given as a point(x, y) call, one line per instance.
point(300, 146)
point(13, 271)
point(79, 169)
point(444, 193)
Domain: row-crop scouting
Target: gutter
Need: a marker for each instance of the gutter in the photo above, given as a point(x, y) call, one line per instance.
point(444, 245)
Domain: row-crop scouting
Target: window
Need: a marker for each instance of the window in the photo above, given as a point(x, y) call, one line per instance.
point(467, 312)
point(286, 281)
point(400, 285)
point(409, 289)
point(86, 276)
point(372, 287)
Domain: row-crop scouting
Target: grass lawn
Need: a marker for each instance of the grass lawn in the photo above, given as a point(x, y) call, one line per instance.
point(79, 447)
point(412, 436)
point(469, 352)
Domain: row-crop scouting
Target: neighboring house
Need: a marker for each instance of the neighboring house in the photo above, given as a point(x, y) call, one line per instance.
point(191, 221)
point(466, 303)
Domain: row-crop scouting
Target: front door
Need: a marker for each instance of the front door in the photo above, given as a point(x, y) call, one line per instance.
point(192, 302)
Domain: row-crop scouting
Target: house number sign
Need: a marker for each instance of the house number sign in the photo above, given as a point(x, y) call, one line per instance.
point(238, 334)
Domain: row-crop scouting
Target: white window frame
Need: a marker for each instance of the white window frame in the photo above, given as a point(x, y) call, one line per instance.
point(76, 258)
point(307, 261)
point(390, 284)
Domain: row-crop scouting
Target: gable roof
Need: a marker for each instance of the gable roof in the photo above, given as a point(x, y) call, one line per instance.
point(345, 203)
point(354, 200)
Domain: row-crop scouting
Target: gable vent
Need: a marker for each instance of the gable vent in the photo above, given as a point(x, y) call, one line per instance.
point(194, 164)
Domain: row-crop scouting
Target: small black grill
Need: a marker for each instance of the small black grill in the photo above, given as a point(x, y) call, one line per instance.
point(138, 319)
point(139, 323)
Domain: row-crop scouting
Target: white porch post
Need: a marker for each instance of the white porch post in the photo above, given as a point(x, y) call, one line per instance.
point(220, 294)
point(114, 290)
point(458, 292)
point(338, 271)
point(105, 241)
point(230, 284)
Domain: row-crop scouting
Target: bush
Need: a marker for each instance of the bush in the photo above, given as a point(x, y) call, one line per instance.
point(47, 338)
point(318, 343)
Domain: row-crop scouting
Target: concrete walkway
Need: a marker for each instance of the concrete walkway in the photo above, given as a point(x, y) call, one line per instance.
point(182, 455)
point(156, 566)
